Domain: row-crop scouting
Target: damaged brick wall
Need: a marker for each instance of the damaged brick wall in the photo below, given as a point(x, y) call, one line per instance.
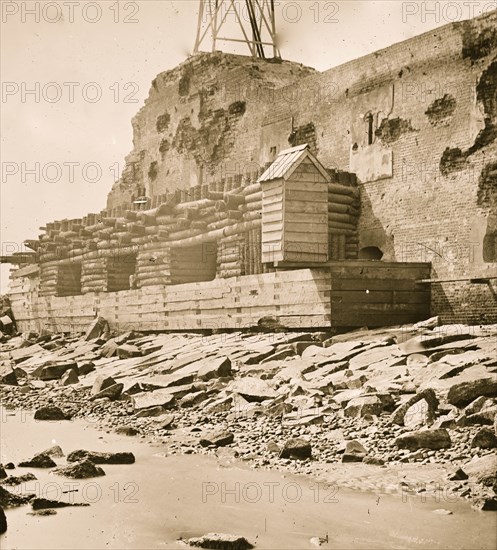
point(432, 104)
point(201, 123)
point(433, 113)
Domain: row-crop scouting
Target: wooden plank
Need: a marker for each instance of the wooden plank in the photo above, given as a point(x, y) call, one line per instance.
point(374, 284)
point(307, 185)
point(313, 197)
point(386, 296)
point(361, 319)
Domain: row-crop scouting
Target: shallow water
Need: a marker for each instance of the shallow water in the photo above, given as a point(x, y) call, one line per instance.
point(157, 500)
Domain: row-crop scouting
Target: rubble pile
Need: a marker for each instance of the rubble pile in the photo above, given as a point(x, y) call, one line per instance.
point(421, 395)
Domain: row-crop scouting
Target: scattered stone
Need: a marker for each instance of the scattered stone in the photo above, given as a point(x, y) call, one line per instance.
point(296, 449)
point(424, 439)
point(101, 458)
point(50, 413)
point(442, 512)
point(40, 460)
point(80, 470)
point(9, 466)
point(219, 439)
point(3, 473)
point(485, 439)
point(221, 541)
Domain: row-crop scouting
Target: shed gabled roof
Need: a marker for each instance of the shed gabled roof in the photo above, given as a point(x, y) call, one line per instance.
point(288, 161)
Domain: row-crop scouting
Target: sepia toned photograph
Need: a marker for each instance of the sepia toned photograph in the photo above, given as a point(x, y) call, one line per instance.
point(248, 276)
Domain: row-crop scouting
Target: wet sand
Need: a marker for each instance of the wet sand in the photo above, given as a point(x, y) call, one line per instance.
point(160, 498)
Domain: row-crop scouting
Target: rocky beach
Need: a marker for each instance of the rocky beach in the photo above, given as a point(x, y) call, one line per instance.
point(408, 411)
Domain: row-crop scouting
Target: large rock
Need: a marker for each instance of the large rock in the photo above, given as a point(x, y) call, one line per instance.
point(56, 451)
point(217, 367)
point(80, 470)
point(109, 349)
point(8, 499)
point(3, 522)
point(253, 389)
point(220, 541)
point(192, 399)
point(484, 416)
point(40, 460)
point(420, 408)
point(463, 393)
point(8, 376)
point(111, 392)
point(98, 327)
point(485, 439)
point(45, 503)
point(100, 383)
point(296, 449)
point(55, 372)
point(354, 452)
point(482, 470)
point(50, 413)
point(363, 405)
point(69, 377)
point(424, 439)
point(86, 368)
point(101, 458)
point(3, 473)
point(219, 439)
point(146, 400)
point(158, 410)
point(125, 351)
point(17, 480)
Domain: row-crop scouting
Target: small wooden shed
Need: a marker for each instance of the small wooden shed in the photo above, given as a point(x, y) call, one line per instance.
point(295, 209)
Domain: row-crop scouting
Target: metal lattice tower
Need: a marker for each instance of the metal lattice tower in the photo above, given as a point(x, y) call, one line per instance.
point(255, 18)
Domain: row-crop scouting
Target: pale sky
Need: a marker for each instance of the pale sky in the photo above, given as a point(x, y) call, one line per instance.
point(65, 126)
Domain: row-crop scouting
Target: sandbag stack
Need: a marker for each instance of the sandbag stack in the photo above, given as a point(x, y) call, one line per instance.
point(343, 216)
point(94, 276)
